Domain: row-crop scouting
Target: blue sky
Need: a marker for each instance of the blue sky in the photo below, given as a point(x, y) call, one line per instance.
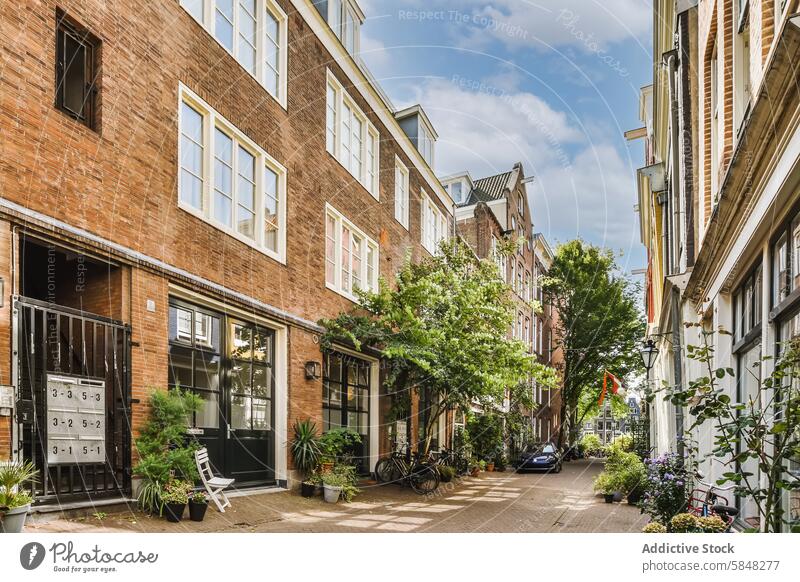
point(553, 84)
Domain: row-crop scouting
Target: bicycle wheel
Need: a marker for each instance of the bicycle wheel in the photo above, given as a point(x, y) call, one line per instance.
point(386, 471)
point(424, 479)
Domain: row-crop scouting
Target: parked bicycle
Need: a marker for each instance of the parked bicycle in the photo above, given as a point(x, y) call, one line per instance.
point(706, 501)
point(421, 476)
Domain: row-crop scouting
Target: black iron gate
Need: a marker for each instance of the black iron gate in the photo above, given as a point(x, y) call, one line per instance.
point(54, 341)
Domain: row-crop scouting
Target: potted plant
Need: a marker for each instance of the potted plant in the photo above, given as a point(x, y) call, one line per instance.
point(340, 482)
point(446, 473)
point(607, 485)
point(337, 446)
point(306, 453)
point(474, 467)
point(198, 504)
point(309, 485)
point(15, 503)
point(500, 463)
point(166, 451)
point(174, 499)
point(490, 466)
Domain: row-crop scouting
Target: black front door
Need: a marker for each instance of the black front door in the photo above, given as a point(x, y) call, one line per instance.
point(229, 364)
point(249, 442)
point(345, 400)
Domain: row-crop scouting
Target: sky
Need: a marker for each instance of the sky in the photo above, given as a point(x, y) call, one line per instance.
point(553, 84)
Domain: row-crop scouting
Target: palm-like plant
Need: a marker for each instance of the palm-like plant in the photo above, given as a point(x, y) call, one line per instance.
point(12, 476)
point(305, 446)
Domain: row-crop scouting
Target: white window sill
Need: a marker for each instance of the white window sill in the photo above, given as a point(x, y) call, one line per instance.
point(348, 296)
point(230, 232)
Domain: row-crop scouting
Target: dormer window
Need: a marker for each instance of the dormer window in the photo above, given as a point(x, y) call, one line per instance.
point(345, 19)
point(456, 192)
point(425, 144)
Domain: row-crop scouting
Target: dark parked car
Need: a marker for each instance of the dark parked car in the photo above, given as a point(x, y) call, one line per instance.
point(542, 458)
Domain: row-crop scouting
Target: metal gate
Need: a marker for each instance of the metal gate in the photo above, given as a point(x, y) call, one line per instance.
point(70, 349)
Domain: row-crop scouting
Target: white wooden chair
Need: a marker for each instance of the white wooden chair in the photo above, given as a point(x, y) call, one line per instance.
point(215, 486)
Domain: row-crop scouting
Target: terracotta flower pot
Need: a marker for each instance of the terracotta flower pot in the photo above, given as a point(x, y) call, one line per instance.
point(490, 467)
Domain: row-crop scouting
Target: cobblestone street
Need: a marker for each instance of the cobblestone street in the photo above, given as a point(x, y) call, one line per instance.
point(491, 502)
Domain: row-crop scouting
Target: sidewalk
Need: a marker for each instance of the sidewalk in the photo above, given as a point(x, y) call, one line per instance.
point(491, 502)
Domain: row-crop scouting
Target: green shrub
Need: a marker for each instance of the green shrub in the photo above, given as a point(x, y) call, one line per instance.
point(12, 477)
point(591, 445)
point(486, 435)
point(343, 476)
point(447, 473)
point(684, 523)
point(623, 442)
point(712, 524)
point(339, 446)
point(165, 450)
point(654, 527)
point(607, 483)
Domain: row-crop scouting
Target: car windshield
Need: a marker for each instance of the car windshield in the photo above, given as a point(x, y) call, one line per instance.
point(548, 449)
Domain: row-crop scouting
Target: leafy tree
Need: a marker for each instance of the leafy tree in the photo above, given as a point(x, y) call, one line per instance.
point(756, 439)
point(598, 325)
point(444, 329)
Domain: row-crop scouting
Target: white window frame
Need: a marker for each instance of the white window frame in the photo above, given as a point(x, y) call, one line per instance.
point(367, 245)
point(262, 7)
point(212, 120)
point(425, 144)
point(367, 178)
point(338, 23)
point(715, 122)
point(433, 224)
point(402, 196)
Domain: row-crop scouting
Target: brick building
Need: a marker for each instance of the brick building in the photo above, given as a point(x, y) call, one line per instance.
point(180, 203)
point(719, 208)
point(496, 208)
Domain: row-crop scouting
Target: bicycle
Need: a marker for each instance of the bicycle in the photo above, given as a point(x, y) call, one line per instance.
point(708, 502)
point(422, 477)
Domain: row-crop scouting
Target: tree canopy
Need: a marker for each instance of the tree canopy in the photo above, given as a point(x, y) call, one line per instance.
point(442, 328)
point(598, 326)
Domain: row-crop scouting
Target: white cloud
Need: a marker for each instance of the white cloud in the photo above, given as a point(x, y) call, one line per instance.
point(583, 185)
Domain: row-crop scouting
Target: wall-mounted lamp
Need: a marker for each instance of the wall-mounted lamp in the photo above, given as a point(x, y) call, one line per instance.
point(313, 370)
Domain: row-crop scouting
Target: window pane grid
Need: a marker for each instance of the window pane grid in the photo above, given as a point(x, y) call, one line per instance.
point(247, 188)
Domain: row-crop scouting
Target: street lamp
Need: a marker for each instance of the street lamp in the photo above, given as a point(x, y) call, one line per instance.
point(648, 351)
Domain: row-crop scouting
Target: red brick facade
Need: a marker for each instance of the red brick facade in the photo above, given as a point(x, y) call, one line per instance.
point(113, 192)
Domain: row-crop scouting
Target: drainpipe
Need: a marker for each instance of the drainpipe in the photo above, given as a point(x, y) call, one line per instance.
point(675, 182)
point(672, 66)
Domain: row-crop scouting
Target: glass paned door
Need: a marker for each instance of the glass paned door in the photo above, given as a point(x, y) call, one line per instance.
point(345, 400)
point(249, 441)
point(230, 365)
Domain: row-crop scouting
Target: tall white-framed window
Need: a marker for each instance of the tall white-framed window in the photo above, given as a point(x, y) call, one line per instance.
point(351, 257)
point(498, 257)
point(434, 224)
point(715, 123)
point(520, 275)
point(345, 21)
point(350, 137)
point(254, 32)
point(401, 193)
point(227, 180)
point(741, 62)
point(425, 144)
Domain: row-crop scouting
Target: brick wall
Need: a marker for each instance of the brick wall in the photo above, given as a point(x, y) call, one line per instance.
point(5, 331)
point(121, 183)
